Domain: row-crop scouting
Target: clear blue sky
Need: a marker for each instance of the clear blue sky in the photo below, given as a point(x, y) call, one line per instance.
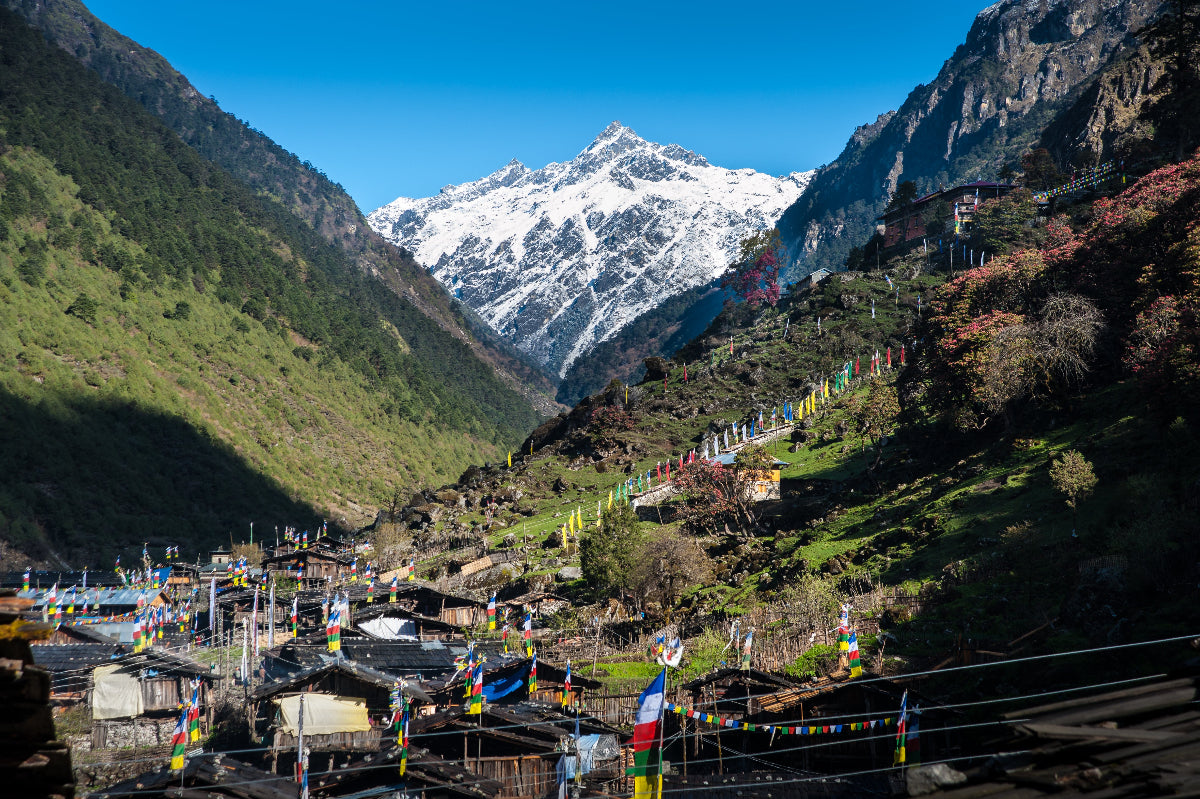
point(401, 98)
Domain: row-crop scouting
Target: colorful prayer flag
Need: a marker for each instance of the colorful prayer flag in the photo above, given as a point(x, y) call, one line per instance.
point(901, 755)
point(647, 752)
point(855, 663)
point(179, 743)
point(476, 707)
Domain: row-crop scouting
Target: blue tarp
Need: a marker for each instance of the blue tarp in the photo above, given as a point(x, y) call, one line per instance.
point(505, 686)
point(587, 756)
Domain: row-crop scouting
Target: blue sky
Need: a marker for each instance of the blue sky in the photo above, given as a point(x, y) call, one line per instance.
point(399, 99)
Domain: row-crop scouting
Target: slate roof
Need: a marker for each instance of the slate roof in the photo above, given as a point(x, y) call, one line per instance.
point(57, 658)
point(165, 663)
point(541, 725)
point(209, 775)
point(424, 770)
point(422, 658)
point(349, 667)
point(1135, 742)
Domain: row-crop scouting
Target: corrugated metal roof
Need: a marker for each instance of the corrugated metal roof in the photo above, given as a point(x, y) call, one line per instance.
point(94, 596)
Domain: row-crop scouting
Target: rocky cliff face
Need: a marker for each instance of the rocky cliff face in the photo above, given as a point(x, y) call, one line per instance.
point(1023, 62)
point(560, 258)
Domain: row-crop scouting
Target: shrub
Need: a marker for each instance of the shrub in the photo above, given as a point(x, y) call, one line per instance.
point(83, 307)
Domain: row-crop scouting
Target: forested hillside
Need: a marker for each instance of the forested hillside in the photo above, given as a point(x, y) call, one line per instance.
point(257, 161)
point(168, 332)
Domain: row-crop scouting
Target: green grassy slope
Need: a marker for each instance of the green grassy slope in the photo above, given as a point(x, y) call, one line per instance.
point(142, 287)
point(323, 205)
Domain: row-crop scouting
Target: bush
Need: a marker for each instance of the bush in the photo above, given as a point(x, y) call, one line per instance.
point(182, 311)
point(83, 307)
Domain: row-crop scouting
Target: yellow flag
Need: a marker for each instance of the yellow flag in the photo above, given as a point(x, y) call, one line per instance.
point(571, 523)
point(610, 498)
point(510, 460)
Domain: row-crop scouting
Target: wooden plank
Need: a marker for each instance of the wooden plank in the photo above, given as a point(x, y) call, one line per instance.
point(1099, 698)
point(1111, 711)
point(1151, 751)
point(1102, 733)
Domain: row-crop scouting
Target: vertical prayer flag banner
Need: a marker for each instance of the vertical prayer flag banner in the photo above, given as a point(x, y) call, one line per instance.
point(844, 630)
point(179, 742)
point(746, 650)
point(528, 634)
point(901, 755)
point(193, 713)
point(491, 610)
point(476, 707)
point(404, 739)
point(647, 752)
point(855, 662)
point(566, 693)
point(533, 674)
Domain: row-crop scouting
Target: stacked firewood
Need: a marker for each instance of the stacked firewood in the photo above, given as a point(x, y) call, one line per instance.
point(32, 762)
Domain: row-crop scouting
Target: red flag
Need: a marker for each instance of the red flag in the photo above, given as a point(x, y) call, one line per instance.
point(901, 354)
point(857, 361)
point(889, 357)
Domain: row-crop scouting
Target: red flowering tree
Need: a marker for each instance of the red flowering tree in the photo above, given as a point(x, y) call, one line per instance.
point(1164, 352)
point(608, 424)
point(714, 496)
point(754, 276)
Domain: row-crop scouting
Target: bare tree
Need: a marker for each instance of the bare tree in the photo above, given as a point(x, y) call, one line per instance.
point(666, 564)
point(1039, 358)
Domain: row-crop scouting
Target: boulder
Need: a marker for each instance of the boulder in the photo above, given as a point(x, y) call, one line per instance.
point(922, 780)
point(656, 368)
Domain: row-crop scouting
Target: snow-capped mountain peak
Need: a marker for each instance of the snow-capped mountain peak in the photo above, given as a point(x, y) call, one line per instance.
point(560, 258)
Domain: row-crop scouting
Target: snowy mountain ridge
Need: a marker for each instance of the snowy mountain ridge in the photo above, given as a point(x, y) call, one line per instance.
point(558, 259)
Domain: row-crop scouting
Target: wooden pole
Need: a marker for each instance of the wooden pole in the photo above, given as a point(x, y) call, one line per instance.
point(720, 754)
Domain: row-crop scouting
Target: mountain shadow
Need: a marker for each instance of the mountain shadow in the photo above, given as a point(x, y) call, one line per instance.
point(86, 480)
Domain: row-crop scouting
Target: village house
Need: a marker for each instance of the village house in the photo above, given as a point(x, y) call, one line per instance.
point(854, 722)
point(312, 568)
point(520, 746)
point(347, 707)
point(909, 222)
point(136, 698)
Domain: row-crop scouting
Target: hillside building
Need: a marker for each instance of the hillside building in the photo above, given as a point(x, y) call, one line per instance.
point(911, 222)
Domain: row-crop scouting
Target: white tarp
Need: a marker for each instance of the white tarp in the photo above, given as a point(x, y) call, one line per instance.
point(390, 629)
point(323, 714)
point(115, 696)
